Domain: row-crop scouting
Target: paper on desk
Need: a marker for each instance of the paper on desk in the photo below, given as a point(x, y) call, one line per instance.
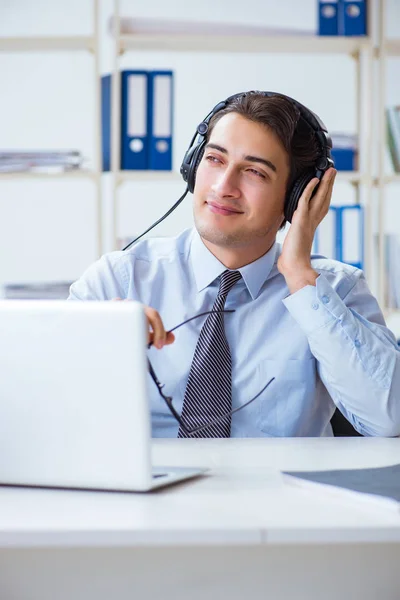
point(379, 485)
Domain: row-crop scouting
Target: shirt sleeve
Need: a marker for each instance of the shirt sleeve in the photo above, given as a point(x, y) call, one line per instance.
point(358, 357)
point(104, 280)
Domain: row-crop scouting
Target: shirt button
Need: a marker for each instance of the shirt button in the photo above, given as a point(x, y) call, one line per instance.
point(325, 299)
point(315, 306)
point(357, 343)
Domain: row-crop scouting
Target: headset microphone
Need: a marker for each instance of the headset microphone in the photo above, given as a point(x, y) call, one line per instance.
point(159, 220)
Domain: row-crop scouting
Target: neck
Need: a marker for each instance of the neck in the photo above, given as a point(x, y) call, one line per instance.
point(235, 258)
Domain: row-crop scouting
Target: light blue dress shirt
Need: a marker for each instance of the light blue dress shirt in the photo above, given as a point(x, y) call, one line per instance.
point(326, 345)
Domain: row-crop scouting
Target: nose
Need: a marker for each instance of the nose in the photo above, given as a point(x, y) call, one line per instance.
point(226, 184)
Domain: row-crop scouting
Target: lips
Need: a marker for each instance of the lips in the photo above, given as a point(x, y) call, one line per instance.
point(222, 209)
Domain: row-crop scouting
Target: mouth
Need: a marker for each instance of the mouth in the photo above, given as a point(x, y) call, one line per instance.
point(223, 210)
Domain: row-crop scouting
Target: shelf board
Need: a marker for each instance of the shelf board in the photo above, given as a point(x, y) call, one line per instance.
point(392, 47)
point(22, 44)
point(244, 43)
point(148, 176)
point(74, 174)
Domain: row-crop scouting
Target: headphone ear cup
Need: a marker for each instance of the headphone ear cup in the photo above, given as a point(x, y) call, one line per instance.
point(197, 156)
point(295, 193)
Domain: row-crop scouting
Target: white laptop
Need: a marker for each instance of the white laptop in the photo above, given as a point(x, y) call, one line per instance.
point(74, 410)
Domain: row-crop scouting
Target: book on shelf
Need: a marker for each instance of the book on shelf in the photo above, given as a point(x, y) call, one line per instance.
point(377, 486)
point(16, 161)
point(148, 26)
point(393, 135)
point(392, 266)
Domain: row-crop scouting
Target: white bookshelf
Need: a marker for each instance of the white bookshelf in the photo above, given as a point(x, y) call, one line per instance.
point(387, 49)
point(54, 44)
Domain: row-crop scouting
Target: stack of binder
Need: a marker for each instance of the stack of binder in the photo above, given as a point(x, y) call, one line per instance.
point(342, 17)
point(146, 120)
point(54, 290)
point(16, 161)
point(393, 135)
point(341, 235)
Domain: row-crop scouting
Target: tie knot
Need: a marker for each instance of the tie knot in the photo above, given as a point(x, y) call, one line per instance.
point(228, 280)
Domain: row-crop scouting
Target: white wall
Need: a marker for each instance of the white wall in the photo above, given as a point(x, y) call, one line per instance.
point(46, 101)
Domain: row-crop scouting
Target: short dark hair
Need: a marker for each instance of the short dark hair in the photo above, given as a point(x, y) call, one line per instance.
point(283, 118)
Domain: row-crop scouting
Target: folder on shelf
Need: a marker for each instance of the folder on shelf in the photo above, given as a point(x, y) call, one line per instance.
point(340, 235)
point(106, 122)
point(134, 141)
point(325, 236)
point(134, 120)
point(393, 135)
point(160, 121)
point(328, 13)
point(350, 235)
point(344, 151)
point(353, 17)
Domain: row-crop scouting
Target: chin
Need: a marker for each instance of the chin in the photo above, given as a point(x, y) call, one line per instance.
point(219, 237)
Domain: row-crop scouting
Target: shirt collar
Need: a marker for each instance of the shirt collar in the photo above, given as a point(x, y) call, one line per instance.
point(206, 267)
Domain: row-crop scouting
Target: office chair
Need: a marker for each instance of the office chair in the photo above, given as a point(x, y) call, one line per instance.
point(342, 427)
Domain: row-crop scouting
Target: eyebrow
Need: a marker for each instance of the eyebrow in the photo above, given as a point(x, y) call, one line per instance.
point(249, 158)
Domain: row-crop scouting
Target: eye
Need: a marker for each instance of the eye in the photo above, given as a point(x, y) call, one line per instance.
point(212, 159)
point(257, 173)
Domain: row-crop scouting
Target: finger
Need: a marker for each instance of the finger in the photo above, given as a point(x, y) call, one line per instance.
point(170, 338)
point(328, 180)
point(324, 189)
point(308, 192)
point(158, 336)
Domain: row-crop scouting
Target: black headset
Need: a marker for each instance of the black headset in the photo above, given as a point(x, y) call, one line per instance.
point(195, 153)
point(196, 150)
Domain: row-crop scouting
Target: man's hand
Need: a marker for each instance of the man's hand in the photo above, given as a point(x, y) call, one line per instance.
point(158, 337)
point(295, 261)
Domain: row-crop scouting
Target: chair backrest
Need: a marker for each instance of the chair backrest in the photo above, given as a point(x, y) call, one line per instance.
point(341, 426)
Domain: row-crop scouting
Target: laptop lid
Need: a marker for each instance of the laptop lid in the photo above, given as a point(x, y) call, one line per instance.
point(74, 409)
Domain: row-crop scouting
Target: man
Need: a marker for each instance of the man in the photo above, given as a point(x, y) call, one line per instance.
point(309, 324)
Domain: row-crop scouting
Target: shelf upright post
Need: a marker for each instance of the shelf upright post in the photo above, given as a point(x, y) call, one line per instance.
point(97, 128)
point(381, 144)
point(115, 120)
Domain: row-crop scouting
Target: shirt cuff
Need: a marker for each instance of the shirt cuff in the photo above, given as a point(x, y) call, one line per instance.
point(314, 307)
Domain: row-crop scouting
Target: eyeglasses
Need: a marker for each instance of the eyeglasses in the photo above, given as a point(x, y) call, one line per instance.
point(168, 399)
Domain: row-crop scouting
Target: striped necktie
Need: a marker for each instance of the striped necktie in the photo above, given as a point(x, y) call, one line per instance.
point(209, 387)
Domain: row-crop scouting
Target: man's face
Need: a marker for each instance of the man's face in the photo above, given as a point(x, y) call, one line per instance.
point(240, 185)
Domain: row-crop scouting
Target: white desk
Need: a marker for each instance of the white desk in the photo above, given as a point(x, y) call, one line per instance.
point(238, 532)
